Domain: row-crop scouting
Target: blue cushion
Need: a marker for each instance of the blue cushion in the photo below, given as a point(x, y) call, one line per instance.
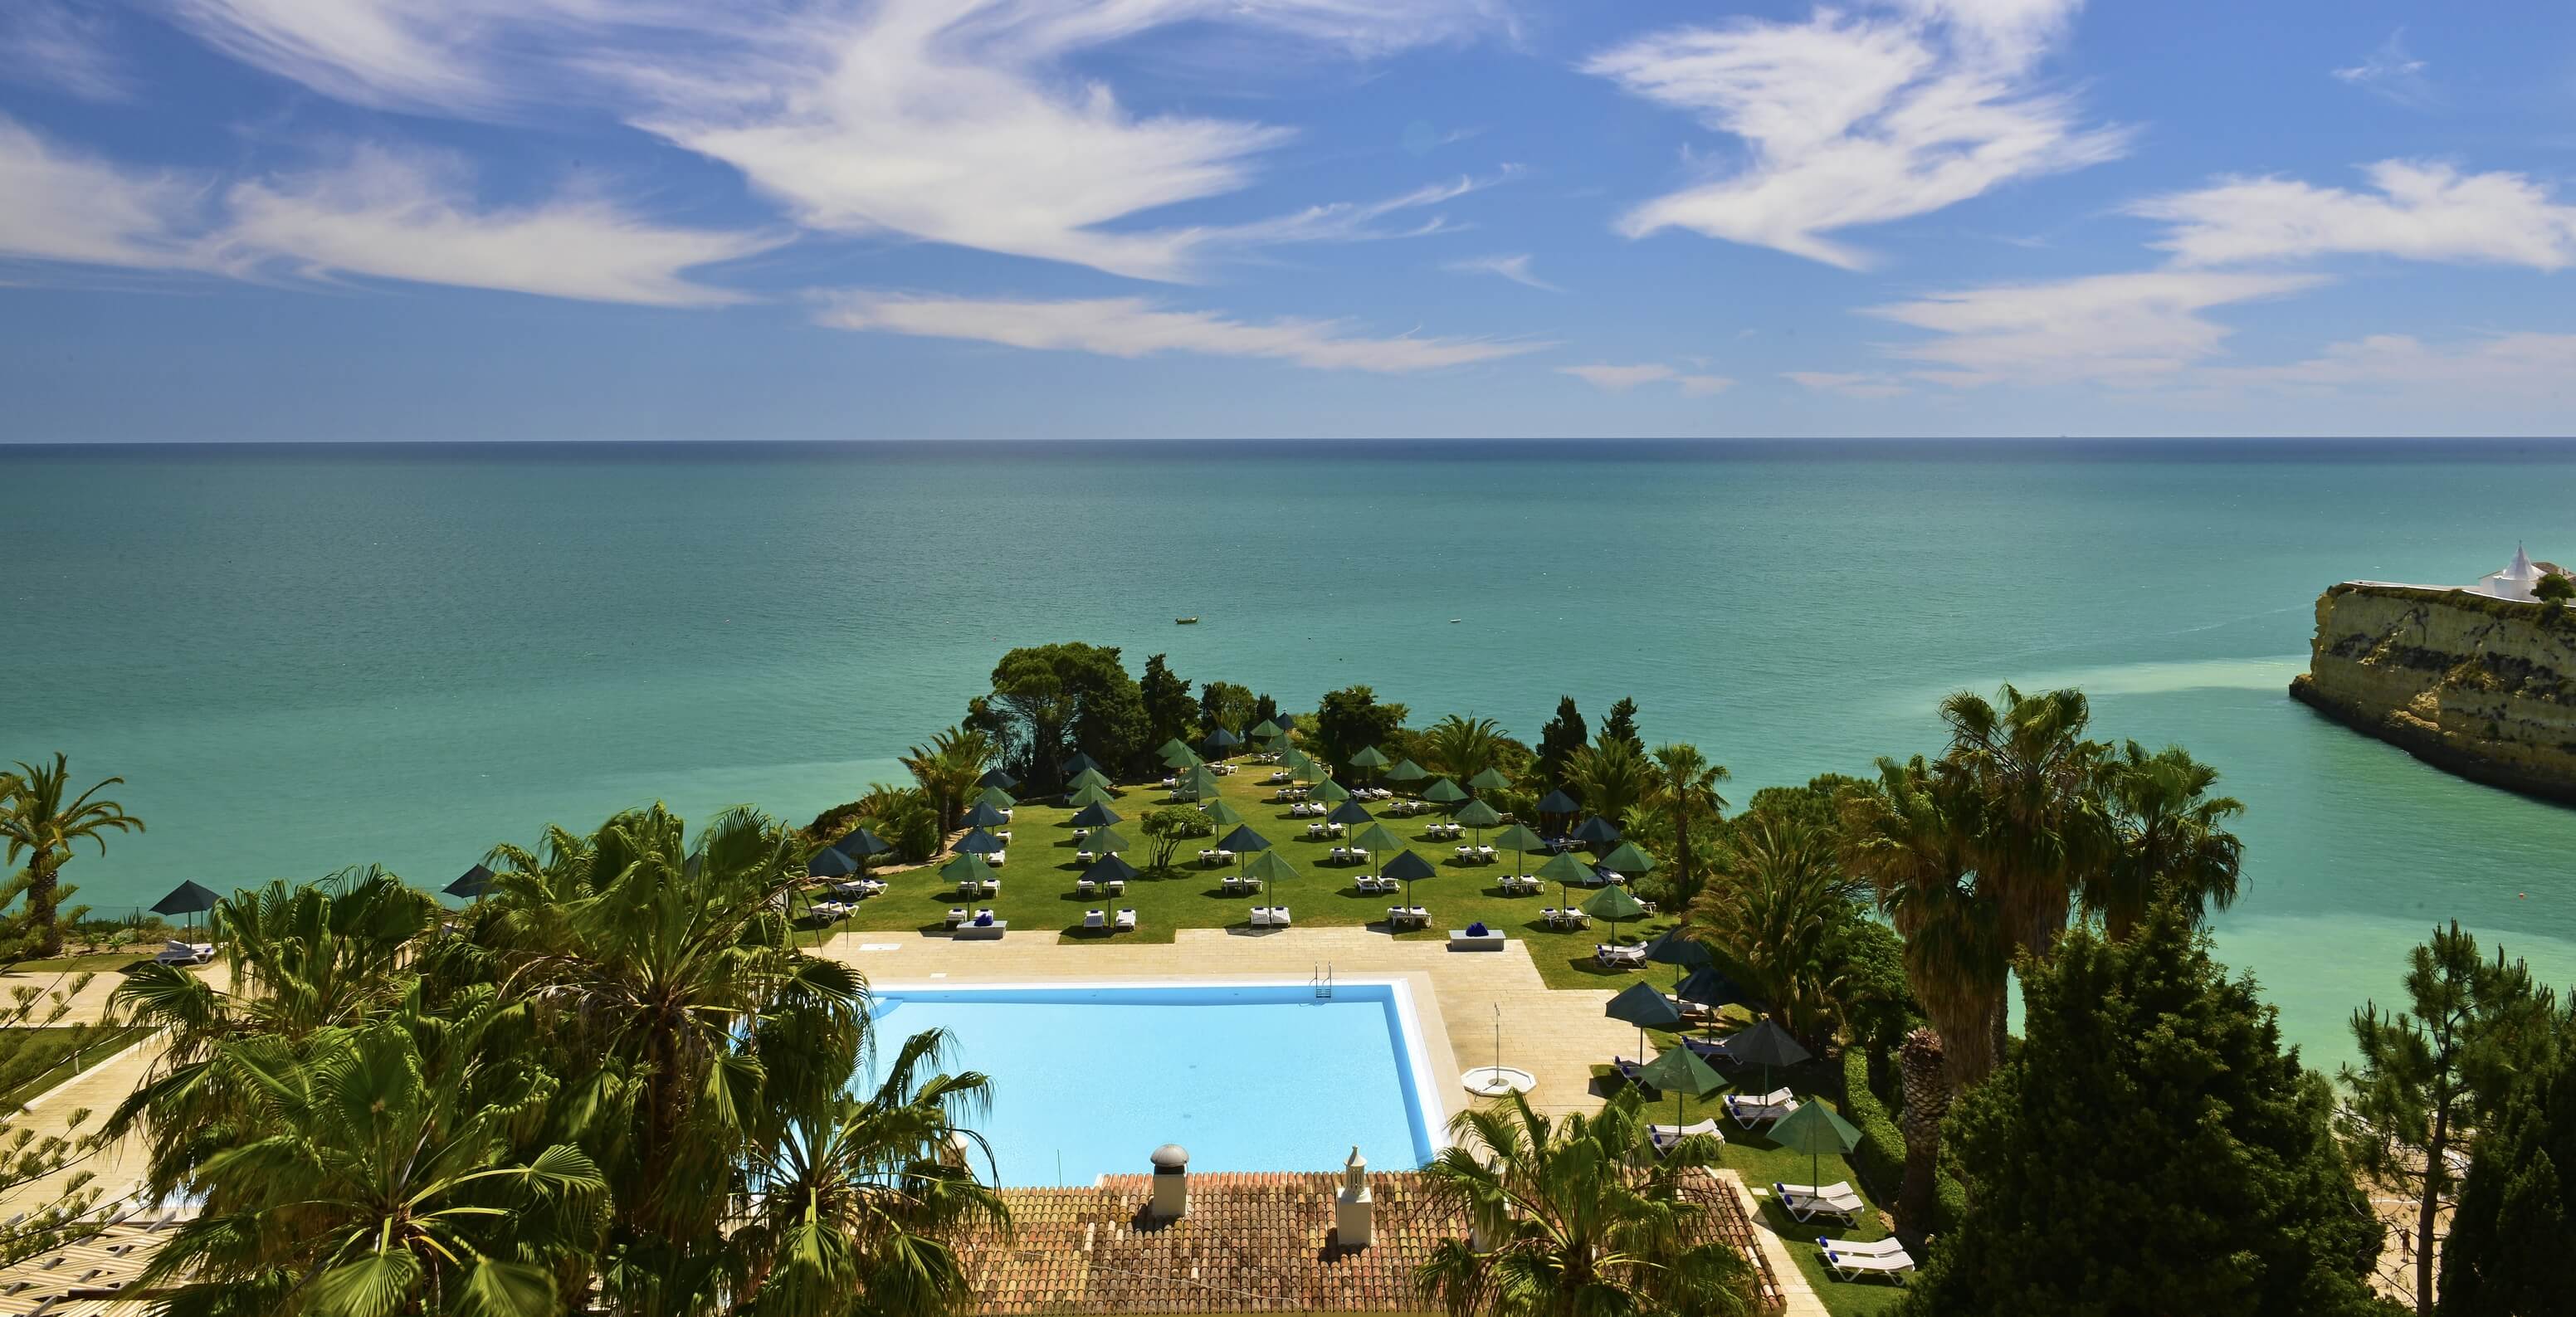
point(1476, 929)
point(983, 921)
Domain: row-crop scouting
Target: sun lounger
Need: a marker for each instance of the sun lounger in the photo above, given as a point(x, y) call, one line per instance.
point(1403, 916)
point(1631, 1071)
point(1095, 919)
point(1114, 886)
point(1476, 938)
point(1084, 857)
point(1369, 885)
point(955, 916)
point(1719, 1051)
point(1806, 1201)
point(1848, 1265)
point(1876, 1248)
point(1763, 1110)
point(1619, 957)
point(871, 887)
point(185, 953)
point(1127, 920)
point(1084, 887)
point(1666, 1136)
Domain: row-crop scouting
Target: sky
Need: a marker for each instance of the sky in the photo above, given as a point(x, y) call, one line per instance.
point(315, 220)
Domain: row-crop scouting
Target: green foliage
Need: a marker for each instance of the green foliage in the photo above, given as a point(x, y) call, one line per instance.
point(2515, 1226)
point(1050, 700)
point(1350, 720)
point(34, 1045)
point(2554, 589)
point(945, 771)
point(1168, 826)
point(2150, 1149)
point(40, 824)
point(1611, 777)
point(1776, 915)
point(2437, 1072)
point(1224, 704)
point(557, 1104)
point(1881, 1152)
point(1169, 711)
point(1578, 1216)
point(1621, 725)
point(1564, 734)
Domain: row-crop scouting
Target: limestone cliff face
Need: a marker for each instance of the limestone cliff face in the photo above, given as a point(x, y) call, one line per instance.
point(2479, 686)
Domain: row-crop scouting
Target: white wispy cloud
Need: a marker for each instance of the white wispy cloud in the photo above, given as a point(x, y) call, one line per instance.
point(2418, 210)
point(1134, 327)
point(1849, 384)
point(441, 56)
point(1851, 119)
point(49, 43)
point(1619, 379)
point(377, 213)
point(2392, 72)
point(2114, 328)
point(1514, 267)
point(59, 204)
point(2518, 364)
point(415, 218)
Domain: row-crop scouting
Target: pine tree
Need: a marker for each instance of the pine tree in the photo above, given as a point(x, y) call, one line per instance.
point(2515, 1225)
point(1557, 742)
point(1169, 708)
point(2151, 1149)
point(1621, 725)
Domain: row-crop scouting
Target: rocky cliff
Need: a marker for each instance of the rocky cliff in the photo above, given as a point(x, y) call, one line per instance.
point(2483, 687)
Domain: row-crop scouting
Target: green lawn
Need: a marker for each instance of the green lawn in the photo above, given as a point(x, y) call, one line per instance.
point(101, 962)
point(44, 1057)
point(1037, 887)
point(1038, 894)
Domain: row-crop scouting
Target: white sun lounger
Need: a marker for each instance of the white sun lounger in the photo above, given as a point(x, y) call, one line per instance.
point(1893, 1265)
point(1876, 1248)
point(1666, 1136)
point(1763, 1110)
point(1127, 920)
point(1095, 919)
point(1807, 1201)
point(185, 953)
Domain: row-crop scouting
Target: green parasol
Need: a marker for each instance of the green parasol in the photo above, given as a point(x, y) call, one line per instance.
point(1815, 1130)
point(1226, 815)
point(1489, 779)
point(1375, 839)
point(1478, 815)
point(1444, 792)
point(1406, 770)
point(1089, 796)
point(996, 797)
point(1627, 861)
point(1639, 1004)
point(966, 869)
point(1271, 867)
point(1520, 841)
point(1562, 870)
point(1106, 842)
point(1089, 777)
point(1681, 1073)
point(1266, 731)
point(1613, 904)
point(1329, 790)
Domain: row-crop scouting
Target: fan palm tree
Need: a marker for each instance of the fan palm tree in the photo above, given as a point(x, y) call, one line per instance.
point(1684, 787)
point(946, 771)
point(1612, 777)
point(2025, 787)
point(41, 826)
point(679, 973)
point(1460, 748)
point(1773, 914)
point(869, 1196)
point(2173, 839)
point(300, 961)
point(1577, 1216)
point(378, 1175)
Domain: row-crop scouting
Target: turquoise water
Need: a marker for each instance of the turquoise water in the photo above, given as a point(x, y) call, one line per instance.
point(307, 658)
point(1089, 1081)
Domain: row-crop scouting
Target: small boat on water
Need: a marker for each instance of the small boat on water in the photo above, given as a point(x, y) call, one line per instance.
point(1185, 621)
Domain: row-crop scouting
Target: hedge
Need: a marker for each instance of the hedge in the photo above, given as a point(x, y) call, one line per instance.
point(1880, 1155)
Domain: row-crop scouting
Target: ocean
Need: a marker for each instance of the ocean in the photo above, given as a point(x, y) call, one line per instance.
point(304, 657)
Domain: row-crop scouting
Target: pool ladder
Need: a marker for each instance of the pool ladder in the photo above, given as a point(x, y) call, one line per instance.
point(1322, 982)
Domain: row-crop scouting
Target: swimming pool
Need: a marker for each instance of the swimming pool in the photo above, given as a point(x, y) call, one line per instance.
point(1089, 1079)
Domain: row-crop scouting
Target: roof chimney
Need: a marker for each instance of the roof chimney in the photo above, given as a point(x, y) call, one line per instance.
point(1171, 1183)
point(1354, 1208)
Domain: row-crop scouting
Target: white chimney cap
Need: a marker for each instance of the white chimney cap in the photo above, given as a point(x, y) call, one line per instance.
point(1171, 1157)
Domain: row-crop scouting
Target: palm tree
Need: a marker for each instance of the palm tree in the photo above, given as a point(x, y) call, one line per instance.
point(1612, 778)
point(869, 1196)
point(1684, 787)
point(40, 826)
point(1774, 912)
point(1904, 833)
point(676, 967)
point(379, 1175)
point(1578, 1216)
point(2173, 839)
point(946, 771)
point(1460, 748)
point(2026, 792)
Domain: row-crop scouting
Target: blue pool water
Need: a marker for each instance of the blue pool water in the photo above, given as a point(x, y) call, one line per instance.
point(1088, 1081)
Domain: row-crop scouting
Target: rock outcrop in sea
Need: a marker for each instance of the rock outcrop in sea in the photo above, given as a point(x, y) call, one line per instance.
point(2482, 687)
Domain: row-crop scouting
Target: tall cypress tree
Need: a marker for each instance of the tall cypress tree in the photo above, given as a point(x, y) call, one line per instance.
point(1564, 734)
point(2151, 1149)
point(2515, 1227)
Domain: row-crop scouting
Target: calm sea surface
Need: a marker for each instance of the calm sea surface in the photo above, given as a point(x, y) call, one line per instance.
point(305, 658)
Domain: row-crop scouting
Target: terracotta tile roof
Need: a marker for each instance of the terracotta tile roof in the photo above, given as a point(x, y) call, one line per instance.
point(1252, 1242)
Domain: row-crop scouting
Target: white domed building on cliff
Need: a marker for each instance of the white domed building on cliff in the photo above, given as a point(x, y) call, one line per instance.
point(2517, 579)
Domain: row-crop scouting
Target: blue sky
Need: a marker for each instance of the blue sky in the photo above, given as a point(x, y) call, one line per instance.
point(806, 219)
